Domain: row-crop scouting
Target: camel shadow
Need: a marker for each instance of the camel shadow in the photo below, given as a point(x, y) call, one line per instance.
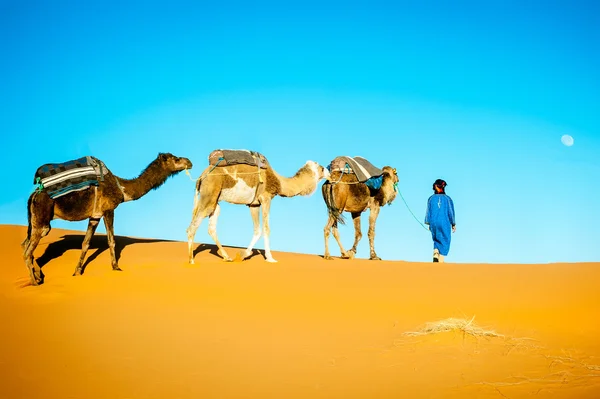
point(214, 250)
point(98, 243)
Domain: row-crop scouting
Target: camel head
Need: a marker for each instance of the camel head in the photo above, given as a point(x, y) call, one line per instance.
point(320, 172)
point(305, 181)
point(390, 178)
point(172, 163)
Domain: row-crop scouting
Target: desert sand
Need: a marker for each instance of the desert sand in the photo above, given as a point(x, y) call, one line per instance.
point(301, 328)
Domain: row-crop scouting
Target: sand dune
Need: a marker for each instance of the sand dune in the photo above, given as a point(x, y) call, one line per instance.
point(301, 328)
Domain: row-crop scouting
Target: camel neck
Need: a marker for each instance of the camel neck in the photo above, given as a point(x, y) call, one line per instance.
point(304, 182)
point(151, 178)
point(389, 191)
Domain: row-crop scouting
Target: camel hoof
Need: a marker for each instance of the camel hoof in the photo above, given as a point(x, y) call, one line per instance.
point(36, 278)
point(242, 256)
point(327, 257)
point(77, 273)
point(351, 254)
point(191, 261)
point(227, 259)
point(117, 269)
point(271, 260)
point(375, 258)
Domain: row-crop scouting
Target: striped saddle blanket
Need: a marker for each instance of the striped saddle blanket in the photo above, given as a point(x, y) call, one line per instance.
point(363, 169)
point(58, 179)
point(234, 157)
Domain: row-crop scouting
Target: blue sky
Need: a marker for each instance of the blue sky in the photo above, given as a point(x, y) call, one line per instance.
point(477, 93)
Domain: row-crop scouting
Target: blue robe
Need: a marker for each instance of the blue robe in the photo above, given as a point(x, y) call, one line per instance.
point(440, 218)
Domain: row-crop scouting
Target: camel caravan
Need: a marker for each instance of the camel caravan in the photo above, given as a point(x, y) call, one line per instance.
point(86, 189)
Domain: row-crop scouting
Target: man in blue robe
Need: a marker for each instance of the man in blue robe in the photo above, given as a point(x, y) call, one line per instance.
point(440, 218)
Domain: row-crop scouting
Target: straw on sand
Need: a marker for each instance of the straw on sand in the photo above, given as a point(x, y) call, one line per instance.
point(467, 327)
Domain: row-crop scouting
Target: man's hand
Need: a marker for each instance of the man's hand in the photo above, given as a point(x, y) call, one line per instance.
point(454, 229)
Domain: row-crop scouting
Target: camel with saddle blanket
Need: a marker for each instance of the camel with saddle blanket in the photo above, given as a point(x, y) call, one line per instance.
point(355, 185)
point(86, 189)
point(246, 178)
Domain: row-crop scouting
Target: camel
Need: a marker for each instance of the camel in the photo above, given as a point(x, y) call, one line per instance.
point(346, 194)
point(247, 185)
point(94, 203)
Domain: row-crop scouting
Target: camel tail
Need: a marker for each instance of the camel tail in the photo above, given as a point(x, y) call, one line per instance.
point(197, 192)
point(334, 211)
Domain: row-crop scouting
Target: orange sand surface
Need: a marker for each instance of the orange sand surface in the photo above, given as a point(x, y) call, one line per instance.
point(301, 328)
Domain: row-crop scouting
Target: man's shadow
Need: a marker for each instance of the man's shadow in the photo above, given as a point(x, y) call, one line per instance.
point(99, 243)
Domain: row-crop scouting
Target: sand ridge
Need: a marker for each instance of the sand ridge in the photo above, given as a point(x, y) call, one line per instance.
point(302, 328)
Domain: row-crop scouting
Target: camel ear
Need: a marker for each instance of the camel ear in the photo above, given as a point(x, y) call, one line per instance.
point(162, 156)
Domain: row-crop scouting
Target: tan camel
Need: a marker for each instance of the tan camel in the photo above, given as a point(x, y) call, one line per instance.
point(94, 204)
point(347, 194)
point(242, 184)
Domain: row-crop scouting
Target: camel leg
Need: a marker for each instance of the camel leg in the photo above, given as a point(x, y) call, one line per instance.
point(191, 233)
point(357, 233)
point(41, 211)
point(327, 230)
point(92, 225)
point(35, 272)
point(372, 220)
point(212, 231)
point(109, 219)
point(336, 235)
point(204, 205)
point(255, 213)
point(266, 206)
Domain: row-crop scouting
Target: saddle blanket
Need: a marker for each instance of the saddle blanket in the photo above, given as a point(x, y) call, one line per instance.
point(59, 179)
point(363, 169)
point(234, 157)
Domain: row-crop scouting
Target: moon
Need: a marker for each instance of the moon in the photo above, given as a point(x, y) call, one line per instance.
point(567, 140)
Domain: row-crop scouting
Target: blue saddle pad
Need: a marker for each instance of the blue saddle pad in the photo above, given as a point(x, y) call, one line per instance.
point(374, 183)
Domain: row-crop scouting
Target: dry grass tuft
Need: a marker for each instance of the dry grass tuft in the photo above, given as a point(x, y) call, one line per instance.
point(464, 326)
point(573, 363)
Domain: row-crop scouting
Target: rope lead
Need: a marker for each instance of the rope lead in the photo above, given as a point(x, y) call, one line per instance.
point(411, 212)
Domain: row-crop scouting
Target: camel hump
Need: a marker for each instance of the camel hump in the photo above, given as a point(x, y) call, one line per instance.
point(235, 157)
point(361, 167)
point(58, 179)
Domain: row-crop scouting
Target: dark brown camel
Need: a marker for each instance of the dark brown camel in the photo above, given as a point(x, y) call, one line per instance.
point(347, 194)
point(94, 204)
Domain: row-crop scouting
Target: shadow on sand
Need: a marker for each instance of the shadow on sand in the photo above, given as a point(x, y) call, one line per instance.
point(214, 250)
point(99, 243)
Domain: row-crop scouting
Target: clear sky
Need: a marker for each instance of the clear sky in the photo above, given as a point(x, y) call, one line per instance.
point(478, 93)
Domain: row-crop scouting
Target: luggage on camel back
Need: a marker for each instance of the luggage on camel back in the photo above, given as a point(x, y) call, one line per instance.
point(58, 179)
point(364, 170)
point(234, 157)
